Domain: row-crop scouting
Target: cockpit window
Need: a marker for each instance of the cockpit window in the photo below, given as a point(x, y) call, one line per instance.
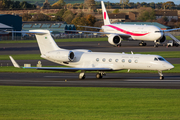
point(161, 59)
point(155, 59)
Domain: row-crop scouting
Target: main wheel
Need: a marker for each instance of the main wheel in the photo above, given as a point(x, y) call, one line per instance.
point(161, 77)
point(156, 45)
point(81, 76)
point(140, 44)
point(98, 76)
point(144, 44)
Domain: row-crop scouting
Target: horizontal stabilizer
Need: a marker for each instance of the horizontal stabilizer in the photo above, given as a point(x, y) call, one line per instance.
point(14, 62)
point(26, 32)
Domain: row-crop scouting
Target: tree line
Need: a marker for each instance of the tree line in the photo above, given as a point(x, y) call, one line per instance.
point(123, 4)
point(62, 15)
point(10, 5)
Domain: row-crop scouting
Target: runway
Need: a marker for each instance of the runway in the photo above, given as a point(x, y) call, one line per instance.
point(125, 80)
point(130, 80)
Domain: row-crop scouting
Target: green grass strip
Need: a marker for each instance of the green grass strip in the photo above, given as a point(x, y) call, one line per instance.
point(68, 40)
point(79, 103)
point(22, 57)
point(12, 69)
point(165, 54)
point(57, 40)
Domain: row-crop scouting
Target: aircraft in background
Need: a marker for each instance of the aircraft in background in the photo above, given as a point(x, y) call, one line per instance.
point(118, 32)
point(85, 60)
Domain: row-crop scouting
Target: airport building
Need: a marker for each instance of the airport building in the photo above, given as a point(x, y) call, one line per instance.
point(10, 23)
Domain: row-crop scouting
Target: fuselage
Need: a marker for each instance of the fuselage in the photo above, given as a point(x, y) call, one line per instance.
point(115, 61)
point(137, 32)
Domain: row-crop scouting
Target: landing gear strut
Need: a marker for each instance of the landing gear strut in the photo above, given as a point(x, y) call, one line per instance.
point(142, 43)
point(155, 44)
point(82, 75)
point(100, 75)
point(161, 75)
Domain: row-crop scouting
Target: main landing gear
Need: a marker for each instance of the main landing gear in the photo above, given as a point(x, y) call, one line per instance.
point(155, 44)
point(98, 75)
point(82, 75)
point(142, 43)
point(161, 75)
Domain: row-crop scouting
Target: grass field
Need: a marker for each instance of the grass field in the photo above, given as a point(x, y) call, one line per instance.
point(78, 103)
point(57, 40)
point(68, 40)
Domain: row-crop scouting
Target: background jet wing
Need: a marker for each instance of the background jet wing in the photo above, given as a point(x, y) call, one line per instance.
point(168, 30)
point(122, 35)
point(89, 27)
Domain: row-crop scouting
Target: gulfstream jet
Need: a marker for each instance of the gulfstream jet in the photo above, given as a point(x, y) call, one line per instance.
point(86, 60)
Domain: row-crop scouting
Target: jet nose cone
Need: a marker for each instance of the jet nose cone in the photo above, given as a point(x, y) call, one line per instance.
point(170, 66)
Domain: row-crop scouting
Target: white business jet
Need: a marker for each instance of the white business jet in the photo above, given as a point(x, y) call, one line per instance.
point(85, 60)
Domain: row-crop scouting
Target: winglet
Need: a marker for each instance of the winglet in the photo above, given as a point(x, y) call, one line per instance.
point(14, 62)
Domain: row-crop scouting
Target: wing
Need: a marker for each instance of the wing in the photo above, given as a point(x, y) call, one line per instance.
point(168, 30)
point(68, 68)
point(122, 35)
point(59, 68)
point(89, 27)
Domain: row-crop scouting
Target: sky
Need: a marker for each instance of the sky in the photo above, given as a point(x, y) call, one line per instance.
point(147, 1)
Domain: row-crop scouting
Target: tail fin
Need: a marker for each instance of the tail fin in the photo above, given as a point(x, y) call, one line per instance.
point(45, 41)
point(105, 15)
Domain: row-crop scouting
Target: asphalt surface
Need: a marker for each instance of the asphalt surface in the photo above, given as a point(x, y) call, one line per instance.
point(125, 80)
point(171, 81)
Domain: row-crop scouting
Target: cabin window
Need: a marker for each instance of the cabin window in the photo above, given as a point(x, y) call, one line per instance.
point(123, 60)
point(161, 59)
point(129, 60)
point(103, 59)
point(136, 61)
point(116, 60)
point(155, 59)
point(97, 59)
point(110, 60)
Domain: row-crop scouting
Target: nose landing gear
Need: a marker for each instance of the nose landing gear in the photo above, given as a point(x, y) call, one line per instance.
point(161, 75)
point(142, 43)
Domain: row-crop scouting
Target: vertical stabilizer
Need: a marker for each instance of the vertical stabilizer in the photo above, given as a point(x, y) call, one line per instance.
point(105, 15)
point(45, 41)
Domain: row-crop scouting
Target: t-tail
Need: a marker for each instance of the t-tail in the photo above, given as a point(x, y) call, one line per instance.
point(105, 15)
point(45, 41)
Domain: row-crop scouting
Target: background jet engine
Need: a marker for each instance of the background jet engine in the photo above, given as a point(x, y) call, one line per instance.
point(161, 40)
point(114, 39)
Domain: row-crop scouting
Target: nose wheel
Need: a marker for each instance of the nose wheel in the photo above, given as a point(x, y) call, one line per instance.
point(142, 43)
point(161, 75)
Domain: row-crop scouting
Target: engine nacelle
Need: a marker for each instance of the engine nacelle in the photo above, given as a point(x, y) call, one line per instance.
point(114, 39)
point(61, 55)
point(161, 40)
